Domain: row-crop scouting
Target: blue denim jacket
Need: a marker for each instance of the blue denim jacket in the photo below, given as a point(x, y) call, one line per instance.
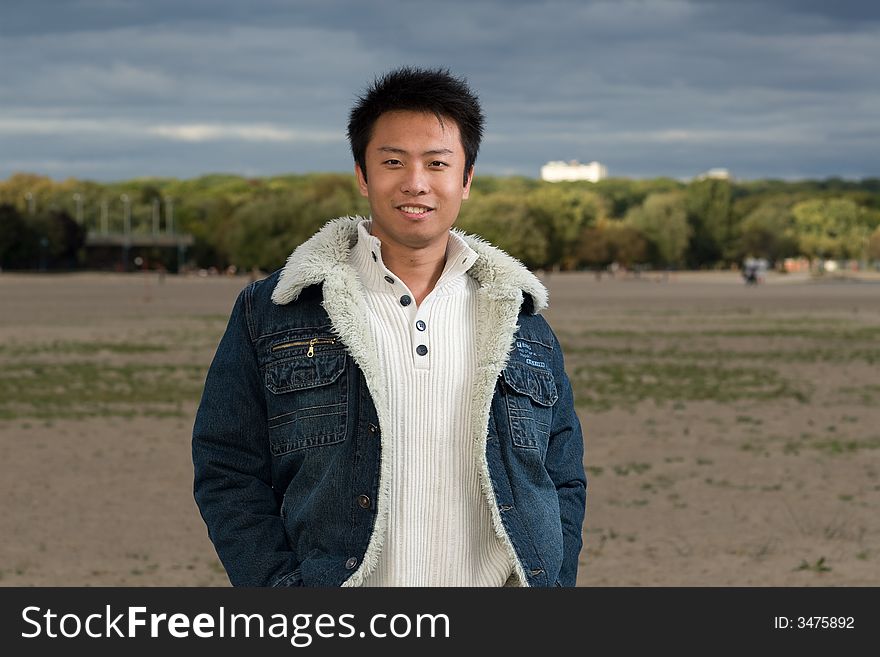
point(288, 439)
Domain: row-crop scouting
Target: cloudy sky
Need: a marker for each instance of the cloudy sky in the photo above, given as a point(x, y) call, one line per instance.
point(113, 89)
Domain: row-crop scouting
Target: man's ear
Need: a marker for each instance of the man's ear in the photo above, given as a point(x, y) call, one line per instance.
point(362, 179)
point(467, 183)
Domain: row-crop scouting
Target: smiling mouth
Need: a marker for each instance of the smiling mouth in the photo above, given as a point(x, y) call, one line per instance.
point(415, 210)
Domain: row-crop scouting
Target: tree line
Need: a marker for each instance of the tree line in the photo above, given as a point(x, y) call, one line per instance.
point(661, 223)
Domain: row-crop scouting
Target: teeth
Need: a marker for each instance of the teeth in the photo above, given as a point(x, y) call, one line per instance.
point(411, 209)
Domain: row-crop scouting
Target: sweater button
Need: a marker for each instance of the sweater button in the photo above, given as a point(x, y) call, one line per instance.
point(363, 501)
point(351, 563)
point(421, 350)
point(420, 325)
point(389, 279)
point(405, 300)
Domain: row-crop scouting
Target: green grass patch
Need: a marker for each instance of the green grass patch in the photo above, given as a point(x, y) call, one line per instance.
point(819, 354)
point(76, 390)
point(607, 385)
point(837, 446)
point(866, 394)
point(84, 348)
point(866, 333)
point(818, 567)
point(635, 468)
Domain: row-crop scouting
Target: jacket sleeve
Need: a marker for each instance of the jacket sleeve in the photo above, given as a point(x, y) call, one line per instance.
point(233, 466)
point(565, 465)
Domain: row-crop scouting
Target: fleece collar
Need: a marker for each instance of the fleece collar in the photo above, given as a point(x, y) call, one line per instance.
point(326, 253)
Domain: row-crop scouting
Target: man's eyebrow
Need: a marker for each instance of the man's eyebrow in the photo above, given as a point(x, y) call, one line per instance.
point(400, 151)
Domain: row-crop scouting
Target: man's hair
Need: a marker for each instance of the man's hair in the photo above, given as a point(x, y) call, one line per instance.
point(434, 91)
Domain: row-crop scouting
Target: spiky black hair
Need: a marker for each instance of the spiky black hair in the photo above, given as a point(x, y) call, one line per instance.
point(434, 91)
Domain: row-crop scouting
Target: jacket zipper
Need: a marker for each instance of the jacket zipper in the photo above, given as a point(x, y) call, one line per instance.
point(311, 343)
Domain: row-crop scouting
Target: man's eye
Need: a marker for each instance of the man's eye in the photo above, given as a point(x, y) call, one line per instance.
point(392, 162)
point(438, 164)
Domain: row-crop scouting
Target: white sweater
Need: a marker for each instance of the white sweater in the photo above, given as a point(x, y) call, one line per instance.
point(439, 525)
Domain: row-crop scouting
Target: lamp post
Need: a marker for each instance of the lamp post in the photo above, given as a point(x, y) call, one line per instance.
point(169, 215)
point(79, 207)
point(105, 216)
point(155, 217)
point(126, 221)
point(126, 215)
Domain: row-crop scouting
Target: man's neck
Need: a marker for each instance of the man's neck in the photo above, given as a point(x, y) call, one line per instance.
point(420, 269)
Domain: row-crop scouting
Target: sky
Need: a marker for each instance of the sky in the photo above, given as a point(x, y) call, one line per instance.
point(118, 89)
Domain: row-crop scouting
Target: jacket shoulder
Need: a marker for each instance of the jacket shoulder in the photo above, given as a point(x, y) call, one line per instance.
point(534, 327)
point(260, 292)
point(264, 316)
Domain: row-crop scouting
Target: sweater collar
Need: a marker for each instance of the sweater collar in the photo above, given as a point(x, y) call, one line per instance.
point(366, 258)
point(328, 252)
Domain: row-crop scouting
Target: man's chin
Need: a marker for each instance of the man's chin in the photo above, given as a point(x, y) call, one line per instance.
point(419, 242)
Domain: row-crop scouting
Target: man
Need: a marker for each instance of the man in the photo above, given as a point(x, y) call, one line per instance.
point(388, 409)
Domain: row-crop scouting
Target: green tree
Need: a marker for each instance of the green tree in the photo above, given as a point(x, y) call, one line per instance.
point(561, 212)
point(263, 231)
point(621, 194)
point(59, 238)
point(18, 240)
point(503, 220)
point(874, 245)
point(768, 231)
point(19, 186)
point(711, 220)
point(611, 241)
point(594, 247)
point(51, 238)
point(150, 192)
point(831, 228)
point(662, 220)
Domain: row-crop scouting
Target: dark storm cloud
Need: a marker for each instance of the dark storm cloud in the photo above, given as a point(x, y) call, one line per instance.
point(114, 88)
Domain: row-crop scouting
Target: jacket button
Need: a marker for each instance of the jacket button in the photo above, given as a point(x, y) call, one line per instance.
point(405, 300)
point(351, 563)
point(421, 350)
point(374, 429)
point(363, 501)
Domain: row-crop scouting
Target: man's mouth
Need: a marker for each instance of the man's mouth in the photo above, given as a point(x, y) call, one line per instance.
point(415, 210)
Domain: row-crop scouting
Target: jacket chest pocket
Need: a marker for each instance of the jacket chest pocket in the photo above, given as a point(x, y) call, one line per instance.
point(530, 398)
point(307, 394)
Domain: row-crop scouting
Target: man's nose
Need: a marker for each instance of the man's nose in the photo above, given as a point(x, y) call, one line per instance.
point(415, 181)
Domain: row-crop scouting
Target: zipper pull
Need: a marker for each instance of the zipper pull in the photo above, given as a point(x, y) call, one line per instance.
point(311, 351)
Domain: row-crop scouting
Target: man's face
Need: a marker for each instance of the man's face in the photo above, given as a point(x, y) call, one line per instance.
point(415, 179)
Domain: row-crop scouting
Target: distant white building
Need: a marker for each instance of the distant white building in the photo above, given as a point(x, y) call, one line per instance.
point(573, 170)
point(715, 174)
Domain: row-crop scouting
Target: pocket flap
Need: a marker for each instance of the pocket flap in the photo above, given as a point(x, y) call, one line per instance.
point(303, 372)
point(540, 386)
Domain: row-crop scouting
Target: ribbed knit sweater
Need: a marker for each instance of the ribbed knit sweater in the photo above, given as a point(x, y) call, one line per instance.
point(439, 527)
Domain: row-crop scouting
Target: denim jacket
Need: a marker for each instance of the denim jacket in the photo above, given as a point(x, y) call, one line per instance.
point(291, 441)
